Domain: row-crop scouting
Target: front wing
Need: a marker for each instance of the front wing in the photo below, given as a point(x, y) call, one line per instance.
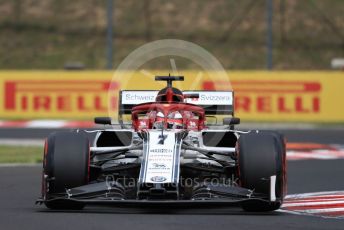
point(103, 194)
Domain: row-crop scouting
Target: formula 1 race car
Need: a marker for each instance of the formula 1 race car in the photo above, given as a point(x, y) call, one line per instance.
point(169, 155)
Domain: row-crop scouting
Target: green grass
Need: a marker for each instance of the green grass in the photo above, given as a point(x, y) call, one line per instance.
point(20, 154)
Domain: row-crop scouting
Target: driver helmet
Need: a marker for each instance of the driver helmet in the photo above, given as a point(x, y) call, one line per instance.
point(175, 120)
point(159, 120)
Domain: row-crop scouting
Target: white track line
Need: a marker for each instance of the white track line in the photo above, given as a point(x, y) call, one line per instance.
point(22, 142)
point(314, 194)
point(46, 123)
point(313, 200)
point(21, 165)
point(322, 211)
point(311, 203)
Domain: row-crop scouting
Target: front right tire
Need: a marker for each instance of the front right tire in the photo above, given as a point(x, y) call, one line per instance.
point(262, 155)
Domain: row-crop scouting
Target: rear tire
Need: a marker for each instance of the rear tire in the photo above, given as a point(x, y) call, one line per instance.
point(260, 156)
point(65, 165)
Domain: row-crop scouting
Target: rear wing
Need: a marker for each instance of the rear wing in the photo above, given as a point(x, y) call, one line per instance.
point(213, 102)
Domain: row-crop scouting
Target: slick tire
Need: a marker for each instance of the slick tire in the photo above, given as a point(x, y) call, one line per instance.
point(260, 156)
point(66, 165)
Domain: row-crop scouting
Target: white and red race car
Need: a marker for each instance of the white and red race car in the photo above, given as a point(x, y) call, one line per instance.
point(169, 156)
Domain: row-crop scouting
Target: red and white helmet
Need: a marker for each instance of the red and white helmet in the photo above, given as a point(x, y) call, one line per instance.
point(175, 120)
point(159, 120)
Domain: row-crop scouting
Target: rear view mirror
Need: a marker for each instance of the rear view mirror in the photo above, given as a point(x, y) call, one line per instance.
point(102, 120)
point(211, 120)
point(191, 95)
point(231, 121)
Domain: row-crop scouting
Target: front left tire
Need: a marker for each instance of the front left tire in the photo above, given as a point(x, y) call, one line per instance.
point(65, 165)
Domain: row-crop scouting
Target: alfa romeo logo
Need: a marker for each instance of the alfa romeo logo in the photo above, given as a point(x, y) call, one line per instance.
point(158, 179)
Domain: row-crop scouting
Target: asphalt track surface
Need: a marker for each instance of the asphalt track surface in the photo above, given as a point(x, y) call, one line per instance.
point(20, 186)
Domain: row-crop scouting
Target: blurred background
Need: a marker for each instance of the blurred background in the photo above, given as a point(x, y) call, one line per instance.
point(285, 59)
point(301, 41)
point(99, 34)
